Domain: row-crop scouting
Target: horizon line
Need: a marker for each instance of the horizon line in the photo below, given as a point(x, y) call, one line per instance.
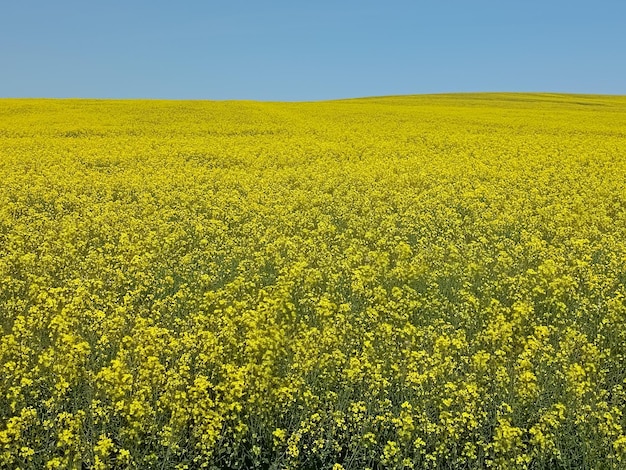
point(364, 97)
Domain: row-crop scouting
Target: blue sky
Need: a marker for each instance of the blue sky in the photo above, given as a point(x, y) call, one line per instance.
point(297, 51)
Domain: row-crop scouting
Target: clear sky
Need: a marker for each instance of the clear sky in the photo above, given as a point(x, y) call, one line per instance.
point(308, 50)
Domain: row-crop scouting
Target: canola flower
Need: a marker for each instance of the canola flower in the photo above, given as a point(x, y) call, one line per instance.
point(421, 282)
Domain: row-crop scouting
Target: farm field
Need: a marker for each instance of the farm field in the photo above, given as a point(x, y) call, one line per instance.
point(426, 282)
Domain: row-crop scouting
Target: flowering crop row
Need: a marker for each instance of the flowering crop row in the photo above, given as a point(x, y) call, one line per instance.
point(407, 282)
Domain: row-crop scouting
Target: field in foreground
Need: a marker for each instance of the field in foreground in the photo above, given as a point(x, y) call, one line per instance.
point(403, 282)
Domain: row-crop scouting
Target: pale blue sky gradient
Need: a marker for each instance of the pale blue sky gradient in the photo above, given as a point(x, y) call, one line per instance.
point(292, 50)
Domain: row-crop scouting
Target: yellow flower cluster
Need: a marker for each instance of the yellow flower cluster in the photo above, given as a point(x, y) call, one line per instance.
point(419, 282)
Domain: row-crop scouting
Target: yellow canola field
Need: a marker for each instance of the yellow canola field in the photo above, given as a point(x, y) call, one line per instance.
point(420, 282)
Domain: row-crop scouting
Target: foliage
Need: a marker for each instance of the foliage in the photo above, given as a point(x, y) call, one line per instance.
point(405, 282)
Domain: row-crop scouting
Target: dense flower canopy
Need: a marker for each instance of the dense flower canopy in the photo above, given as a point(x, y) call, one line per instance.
point(403, 282)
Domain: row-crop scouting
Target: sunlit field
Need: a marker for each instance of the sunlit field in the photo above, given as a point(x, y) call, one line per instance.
point(426, 282)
